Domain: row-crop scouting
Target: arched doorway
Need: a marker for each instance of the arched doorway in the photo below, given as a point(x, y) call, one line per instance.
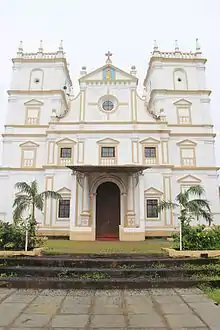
point(107, 211)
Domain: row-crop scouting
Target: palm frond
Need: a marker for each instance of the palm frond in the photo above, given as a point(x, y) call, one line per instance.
point(195, 190)
point(207, 216)
point(50, 194)
point(19, 209)
point(39, 202)
point(24, 187)
point(20, 199)
point(34, 188)
point(202, 204)
point(182, 199)
point(166, 205)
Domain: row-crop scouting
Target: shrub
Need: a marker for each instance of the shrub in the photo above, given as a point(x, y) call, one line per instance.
point(12, 236)
point(198, 238)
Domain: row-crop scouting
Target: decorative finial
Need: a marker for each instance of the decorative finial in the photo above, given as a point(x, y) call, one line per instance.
point(108, 60)
point(133, 70)
point(156, 51)
point(176, 46)
point(20, 47)
point(162, 115)
point(83, 71)
point(155, 46)
point(40, 49)
point(198, 48)
point(61, 46)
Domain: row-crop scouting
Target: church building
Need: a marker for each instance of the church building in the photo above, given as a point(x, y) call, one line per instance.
point(111, 153)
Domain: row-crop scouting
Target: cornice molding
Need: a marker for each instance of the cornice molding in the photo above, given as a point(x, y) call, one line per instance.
point(39, 92)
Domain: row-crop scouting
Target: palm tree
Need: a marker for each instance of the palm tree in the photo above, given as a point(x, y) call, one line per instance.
point(29, 199)
point(189, 208)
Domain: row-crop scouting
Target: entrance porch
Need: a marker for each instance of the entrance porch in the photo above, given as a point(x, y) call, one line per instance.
point(107, 203)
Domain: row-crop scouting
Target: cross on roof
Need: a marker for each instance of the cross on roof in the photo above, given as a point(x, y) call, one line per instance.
point(108, 60)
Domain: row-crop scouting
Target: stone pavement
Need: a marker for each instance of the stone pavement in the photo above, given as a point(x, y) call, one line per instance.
point(107, 310)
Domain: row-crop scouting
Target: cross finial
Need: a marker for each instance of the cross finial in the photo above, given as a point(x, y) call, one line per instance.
point(108, 60)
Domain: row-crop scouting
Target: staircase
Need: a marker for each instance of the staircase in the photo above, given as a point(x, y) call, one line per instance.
point(107, 271)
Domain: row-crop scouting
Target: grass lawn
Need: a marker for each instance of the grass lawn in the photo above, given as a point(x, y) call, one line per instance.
point(213, 293)
point(67, 247)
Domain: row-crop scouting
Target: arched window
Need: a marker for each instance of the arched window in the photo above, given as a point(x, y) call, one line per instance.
point(180, 79)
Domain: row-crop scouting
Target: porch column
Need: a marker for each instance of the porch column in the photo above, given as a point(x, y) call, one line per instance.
point(141, 202)
point(130, 202)
point(85, 212)
point(86, 194)
point(73, 214)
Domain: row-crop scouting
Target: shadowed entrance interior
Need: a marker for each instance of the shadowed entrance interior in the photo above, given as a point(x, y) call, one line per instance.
point(107, 211)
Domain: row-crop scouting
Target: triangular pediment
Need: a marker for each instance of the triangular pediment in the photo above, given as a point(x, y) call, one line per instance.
point(99, 74)
point(29, 144)
point(150, 141)
point(66, 141)
point(153, 191)
point(186, 143)
point(64, 191)
point(33, 102)
point(183, 102)
point(108, 141)
point(189, 179)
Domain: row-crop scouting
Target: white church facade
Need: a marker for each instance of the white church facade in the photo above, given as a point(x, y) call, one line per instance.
point(111, 153)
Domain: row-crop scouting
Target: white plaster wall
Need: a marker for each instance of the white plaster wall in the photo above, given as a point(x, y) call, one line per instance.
point(54, 75)
point(17, 108)
point(161, 76)
point(94, 93)
point(200, 108)
point(12, 152)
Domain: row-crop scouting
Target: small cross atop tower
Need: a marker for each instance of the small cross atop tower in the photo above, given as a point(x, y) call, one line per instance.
point(108, 60)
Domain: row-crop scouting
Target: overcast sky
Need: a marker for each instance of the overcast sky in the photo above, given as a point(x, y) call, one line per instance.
point(125, 27)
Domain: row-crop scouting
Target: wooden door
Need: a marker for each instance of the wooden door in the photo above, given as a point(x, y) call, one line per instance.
point(107, 211)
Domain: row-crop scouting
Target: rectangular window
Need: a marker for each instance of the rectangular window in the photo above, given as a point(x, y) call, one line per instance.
point(28, 158)
point(32, 116)
point(108, 152)
point(64, 209)
point(184, 116)
point(152, 208)
point(150, 152)
point(65, 152)
point(187, 156)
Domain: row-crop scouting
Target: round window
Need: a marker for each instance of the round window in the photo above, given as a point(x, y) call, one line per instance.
point(107, 105)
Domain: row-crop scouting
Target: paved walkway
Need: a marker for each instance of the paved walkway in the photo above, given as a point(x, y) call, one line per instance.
point(102, 310)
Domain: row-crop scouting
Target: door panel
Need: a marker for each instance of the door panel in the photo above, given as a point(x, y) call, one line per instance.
point(107, 211)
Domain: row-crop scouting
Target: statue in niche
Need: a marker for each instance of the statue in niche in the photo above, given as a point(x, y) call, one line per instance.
point(108, 74)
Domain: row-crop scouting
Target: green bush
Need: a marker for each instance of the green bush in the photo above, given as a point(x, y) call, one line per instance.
point(12, 236)
point(198, 238)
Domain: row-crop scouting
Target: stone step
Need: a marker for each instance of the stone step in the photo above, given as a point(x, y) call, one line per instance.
point(79, 272)
point(107, 262)
point(114, 283)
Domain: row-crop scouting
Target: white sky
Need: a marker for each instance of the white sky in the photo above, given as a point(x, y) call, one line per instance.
point(127, 28)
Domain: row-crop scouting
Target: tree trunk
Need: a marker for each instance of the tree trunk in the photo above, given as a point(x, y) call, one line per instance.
point(33, 212)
